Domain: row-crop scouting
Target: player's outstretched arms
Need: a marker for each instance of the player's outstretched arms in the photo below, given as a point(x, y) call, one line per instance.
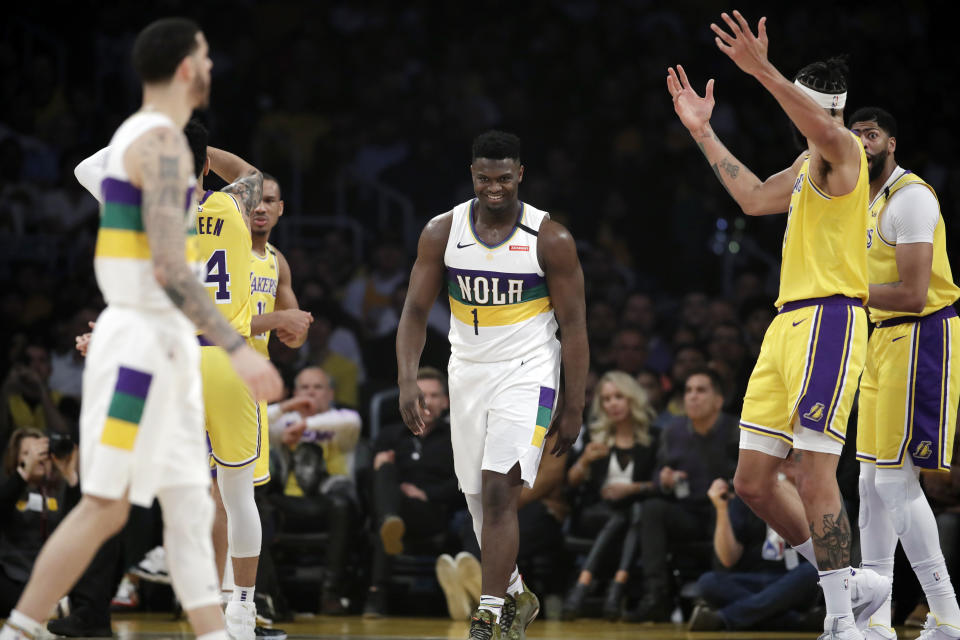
point(558, 256)
point(749, 52)
point(426, 279)
point(245, 181)
point(755, 197)
point(160, 162)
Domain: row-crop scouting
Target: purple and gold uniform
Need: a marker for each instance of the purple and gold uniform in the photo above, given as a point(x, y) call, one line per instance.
point(911, 384)
point(814, 350)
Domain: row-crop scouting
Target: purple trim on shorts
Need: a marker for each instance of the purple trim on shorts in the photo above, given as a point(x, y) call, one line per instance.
point(547, 396)
point(814, 302)
point(237, 465)
point(133, 382)
point(828, 367)
point(927, 396)
point(942, 314)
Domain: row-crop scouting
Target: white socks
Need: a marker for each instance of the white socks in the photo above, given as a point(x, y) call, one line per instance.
point(515, 585)
point(836, 592)
point(243, 594)
point(492, 604)
point(20, 626)
point(807, 551)
point(933, 577)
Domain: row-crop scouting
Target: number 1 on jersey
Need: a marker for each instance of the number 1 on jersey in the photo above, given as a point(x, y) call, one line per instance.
point(476, 323)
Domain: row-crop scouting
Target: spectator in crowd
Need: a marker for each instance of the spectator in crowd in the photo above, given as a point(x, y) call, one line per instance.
point(66, 372)
point(368, 296)
point(652, 384)
point(694, 451)
point(756, 314)
point(38, 488)
point(601, 326)
point(695, 312)
point(629, 349)
point(639, 312)
point(415, 491)
point(343, 372)
point(687, 359)
point(614, 473)
point(313, 489)
point(27, 398)
point(764, 585)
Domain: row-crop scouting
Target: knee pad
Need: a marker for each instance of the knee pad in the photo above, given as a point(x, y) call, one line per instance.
point(187, 538)
point(243, 519)
point(897, 488)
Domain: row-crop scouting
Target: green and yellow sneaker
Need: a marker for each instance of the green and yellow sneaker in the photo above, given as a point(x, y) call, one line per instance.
point(524, 608)
point(483, 627)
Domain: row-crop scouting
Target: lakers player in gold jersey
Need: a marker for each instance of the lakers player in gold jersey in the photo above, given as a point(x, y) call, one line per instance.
point(233, 417)
point(802, 387)
point(911, 383)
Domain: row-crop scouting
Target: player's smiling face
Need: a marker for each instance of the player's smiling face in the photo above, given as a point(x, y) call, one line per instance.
point(496, 182)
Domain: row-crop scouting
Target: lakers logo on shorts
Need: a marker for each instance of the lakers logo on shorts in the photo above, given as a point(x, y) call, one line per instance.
point(923, 451)
point(815, 413)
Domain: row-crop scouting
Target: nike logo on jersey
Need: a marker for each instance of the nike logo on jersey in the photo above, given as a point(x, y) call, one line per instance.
point(900, 338)
point(799, 322)
point(461, 246)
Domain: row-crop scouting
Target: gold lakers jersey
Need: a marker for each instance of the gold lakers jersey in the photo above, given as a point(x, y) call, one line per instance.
point(263, 291)
point(824, 245)
point(882, 256)
point(225, 247)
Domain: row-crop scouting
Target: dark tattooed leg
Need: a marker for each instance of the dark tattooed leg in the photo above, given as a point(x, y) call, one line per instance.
point(831, 541)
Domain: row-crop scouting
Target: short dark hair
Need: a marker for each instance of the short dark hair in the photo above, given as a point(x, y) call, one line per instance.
point(432, 373)
point(267, 176)
point(715, 380)
point(197, 138)
point(826, 76)
point(882, 117)
point(161, 46)
point(496, 145)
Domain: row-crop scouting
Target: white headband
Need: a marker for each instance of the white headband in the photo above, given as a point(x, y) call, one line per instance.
point(825, 100)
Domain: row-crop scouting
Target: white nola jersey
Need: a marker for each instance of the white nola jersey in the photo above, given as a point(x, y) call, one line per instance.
point(500, 308)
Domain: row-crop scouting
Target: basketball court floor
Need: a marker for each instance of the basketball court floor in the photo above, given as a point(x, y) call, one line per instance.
point(152, 626)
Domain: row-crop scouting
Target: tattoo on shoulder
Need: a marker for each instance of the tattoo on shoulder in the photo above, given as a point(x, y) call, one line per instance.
point(248, 190)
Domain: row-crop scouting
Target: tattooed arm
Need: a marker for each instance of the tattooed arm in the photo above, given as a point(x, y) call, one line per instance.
point(160, 164)
point(245, 180)
point(159, 161)
point(756, 197)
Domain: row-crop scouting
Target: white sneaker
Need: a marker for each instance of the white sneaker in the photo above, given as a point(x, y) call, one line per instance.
point(458, 601)
point(153, 567)
point(934, 631)
point(879, 632)
point(241, 620)
point(126, 596)
point(468, 568)
point(868, 591)
point(840, 628)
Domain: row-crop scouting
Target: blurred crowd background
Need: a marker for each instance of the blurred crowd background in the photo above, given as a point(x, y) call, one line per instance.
point(365, 113)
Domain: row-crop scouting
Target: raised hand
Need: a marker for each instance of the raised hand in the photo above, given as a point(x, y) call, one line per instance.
point(749, 52)
point(694, 112)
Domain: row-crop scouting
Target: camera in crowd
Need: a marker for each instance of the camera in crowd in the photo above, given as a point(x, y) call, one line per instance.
point(61, 445)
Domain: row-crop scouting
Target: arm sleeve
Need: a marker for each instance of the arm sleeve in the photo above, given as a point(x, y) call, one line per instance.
point(90, 172)
point(913, 214)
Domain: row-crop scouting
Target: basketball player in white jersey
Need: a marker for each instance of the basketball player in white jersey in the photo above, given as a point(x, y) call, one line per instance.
point(512, 276)
point(141, 421)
